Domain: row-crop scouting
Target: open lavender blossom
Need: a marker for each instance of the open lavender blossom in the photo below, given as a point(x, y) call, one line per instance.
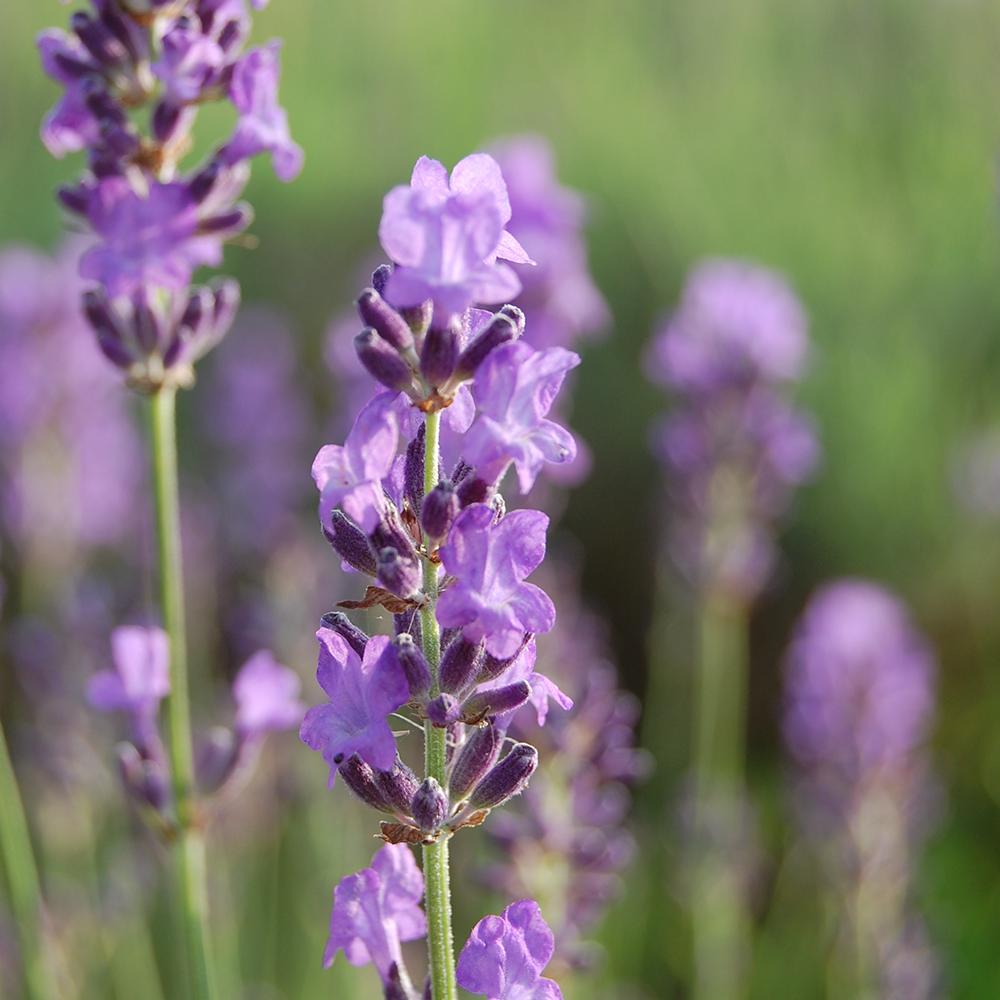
point(266, 696)
point(362, 693)
point(561, 303)
point(140, 679)
point(445, 235)
point(504, 956)
point(377, 909)
point(490, 600)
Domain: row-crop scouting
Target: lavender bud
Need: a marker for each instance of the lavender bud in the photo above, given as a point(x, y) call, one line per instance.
point(472, 490)
point(390, 532)
point(216, 758)
point(380, 276)
point(144, 778)
point(166, 116)
point(506, 779)
point(430, 805)
point(459, 665)
point(508, 324)
point(200, 186)
point(498, 701)
point(359, 777)
point(444, 710)
point(106, 49)
point(414, 664)
point(105, 324)
point(409, 622)
point(413, 471)
point(491, 668)
point(387, 323)
point(74, 199)
point(393, 988)
point(440, 508)
point(419, 317)
point(438, 355)
point(478, 754)
point(350, 543)
point(338, 622)
point(398, 575)
point(382, 362)
point(397, 787)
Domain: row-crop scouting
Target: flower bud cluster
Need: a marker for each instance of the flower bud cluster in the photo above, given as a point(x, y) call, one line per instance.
point(153, 226)
point(735, 447)
point(266, 696)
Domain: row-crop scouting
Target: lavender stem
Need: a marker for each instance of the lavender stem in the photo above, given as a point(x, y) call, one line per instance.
point(437, 876)
point(720, 923)
point(189, 848)
point(25, 894)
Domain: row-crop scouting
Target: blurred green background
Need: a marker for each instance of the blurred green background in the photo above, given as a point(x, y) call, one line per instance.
point(849, 143)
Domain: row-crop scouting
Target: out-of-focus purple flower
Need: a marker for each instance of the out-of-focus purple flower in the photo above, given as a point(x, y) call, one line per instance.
point(64, 427)
point(860, 681)
point(514, 389)
point(188, 60)
point(859, 701)
point(140, 679)
point(504, 956)
point(377, 909)
point(446, 234)
point(735, 446)
point(263, 123)
point(351, 474)
point(362, 693)
point(737, 323)
point(151, 240)
point(70, 126)
point(266, 696)
point(489, 599)
point(559, 298)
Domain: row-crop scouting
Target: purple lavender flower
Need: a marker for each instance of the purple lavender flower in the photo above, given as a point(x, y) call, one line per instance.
point(446, 234)
point(737, 323)
point(140, 679)
point(362, 693)
point(490, 561)
point(514, 390)
point(189, 60)
point(859, 701)
point(559, 298)
point(542, 688)
point(504, 956)
point(263, 123)
point(267, 696)
point(154, 239)
point(736, 447)
point(377, 909)
point(351, 474)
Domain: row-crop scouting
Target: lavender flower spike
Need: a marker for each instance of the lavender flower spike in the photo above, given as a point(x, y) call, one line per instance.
point(267, 696)
point(515, 388)
point(445, 236)
point(376, 909)
point(490, 561)
point(362, 693)
point(141, 678)
point(504, 956)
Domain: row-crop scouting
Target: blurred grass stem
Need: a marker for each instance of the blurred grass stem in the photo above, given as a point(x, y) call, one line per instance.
point(23, 890)
point(189, 849)
point(719, 917)
point(437, 877)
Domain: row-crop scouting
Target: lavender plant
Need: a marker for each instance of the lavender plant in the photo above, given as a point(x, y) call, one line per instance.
point(735, 449)
point(451, 565)
point(859, 702)
point(126, 64)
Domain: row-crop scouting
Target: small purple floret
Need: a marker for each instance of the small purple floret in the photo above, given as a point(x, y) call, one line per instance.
point(445, 236)
point(362, 693)
point(504, 956)
point(490, 562)
point(267, 696)
point(514, 389)
point(376, 909)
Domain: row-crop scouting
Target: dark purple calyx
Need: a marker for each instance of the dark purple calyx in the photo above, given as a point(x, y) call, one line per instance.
point(497, 701)
point(359, 777)
point(438, 355)
point(430, 806)
point(444, 710)
point(383, 362)
point(414, 664)
point(506, 779)
point(477, 755)
point(390, 326)
point(397, 787)
point(338, 622)
point(398, 574)
point(440, 508)
point(350, 543)
point(506, 325)
point(459, 665)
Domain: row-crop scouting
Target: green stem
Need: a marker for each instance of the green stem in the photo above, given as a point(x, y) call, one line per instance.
point(719, 914)
point(22, 882)
point(189, 849)
point(437, 878)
